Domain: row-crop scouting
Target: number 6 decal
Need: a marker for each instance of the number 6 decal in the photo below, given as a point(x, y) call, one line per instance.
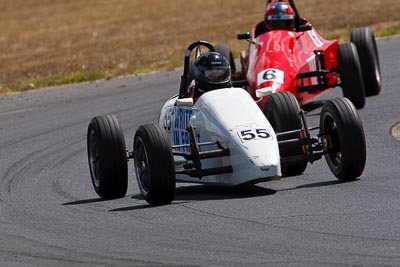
point(270, 75)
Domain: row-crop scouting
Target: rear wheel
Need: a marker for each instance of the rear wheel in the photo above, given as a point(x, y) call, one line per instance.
point(364, 40)
point(343, 139)
point(282, 111)
point(350, 74)
point(107, 157)
point(154, 164)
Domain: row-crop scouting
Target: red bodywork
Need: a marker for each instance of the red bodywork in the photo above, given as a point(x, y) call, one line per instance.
point(276, 58)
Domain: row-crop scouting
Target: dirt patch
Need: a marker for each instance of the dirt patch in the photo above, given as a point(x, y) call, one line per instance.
point(395, 131)
point(50, 42)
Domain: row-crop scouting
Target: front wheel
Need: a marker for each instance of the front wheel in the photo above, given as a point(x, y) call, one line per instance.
point(350, 74)
point(154, 164)
point(343, 139)
point(107, 157)
point(282, 111)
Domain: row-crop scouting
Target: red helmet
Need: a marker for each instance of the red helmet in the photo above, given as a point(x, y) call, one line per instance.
point(279, 15)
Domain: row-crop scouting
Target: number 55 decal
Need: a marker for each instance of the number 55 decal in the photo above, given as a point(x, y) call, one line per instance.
point(252, 134)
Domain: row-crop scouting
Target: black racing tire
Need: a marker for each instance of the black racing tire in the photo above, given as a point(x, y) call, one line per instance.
point(364, 40)
point(343, 139)
point(282, 111)
point(350, 74)
point(107, 157)
point(154, 164)
point(226, 51)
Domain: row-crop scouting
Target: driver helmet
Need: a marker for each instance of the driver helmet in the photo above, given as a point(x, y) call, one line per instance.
point(279, 15)
point(211, 71)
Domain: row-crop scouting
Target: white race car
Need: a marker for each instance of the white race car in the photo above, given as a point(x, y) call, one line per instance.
point(223, 139)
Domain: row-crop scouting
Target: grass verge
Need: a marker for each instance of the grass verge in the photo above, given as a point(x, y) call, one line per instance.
point(54, 42)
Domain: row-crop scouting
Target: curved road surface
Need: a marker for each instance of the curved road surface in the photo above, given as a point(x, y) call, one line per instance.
point(51, 216)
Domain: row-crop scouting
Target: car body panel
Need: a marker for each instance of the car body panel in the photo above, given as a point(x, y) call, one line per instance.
point(275, 58)
point(231, 118)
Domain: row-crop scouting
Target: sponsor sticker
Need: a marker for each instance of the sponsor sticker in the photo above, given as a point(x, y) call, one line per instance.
point(315, 38)
point(179, 126)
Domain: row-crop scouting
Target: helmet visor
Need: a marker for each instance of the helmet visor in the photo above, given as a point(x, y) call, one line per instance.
point(216, 75)
point(280, 21)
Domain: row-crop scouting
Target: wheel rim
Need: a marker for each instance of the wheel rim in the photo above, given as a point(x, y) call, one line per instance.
point(331, 141)
point(142, 166)
point(94, 158)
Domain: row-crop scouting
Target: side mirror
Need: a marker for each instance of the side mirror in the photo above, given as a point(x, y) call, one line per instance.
point(184, 102)
point(304, 28)
point(243, 36)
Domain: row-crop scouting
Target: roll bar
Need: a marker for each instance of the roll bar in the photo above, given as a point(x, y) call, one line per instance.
point(185, 76)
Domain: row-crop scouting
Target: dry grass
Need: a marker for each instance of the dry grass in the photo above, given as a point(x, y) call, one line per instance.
point(48, 42)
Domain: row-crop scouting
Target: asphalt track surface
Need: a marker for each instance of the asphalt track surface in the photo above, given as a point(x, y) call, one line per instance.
point(51, 216)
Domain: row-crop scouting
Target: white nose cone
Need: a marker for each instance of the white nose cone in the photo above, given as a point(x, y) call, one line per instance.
point(262, 151)
point(231, 117)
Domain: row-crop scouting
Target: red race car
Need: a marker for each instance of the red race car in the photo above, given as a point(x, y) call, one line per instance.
point(286, 53)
